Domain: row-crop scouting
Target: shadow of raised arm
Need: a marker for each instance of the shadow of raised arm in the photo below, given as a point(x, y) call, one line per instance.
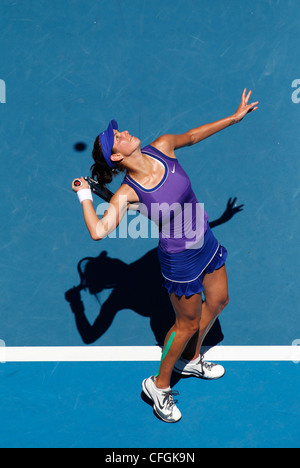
point(230, 211)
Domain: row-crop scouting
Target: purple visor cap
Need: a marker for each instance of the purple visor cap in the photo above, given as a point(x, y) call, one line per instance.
point(107, 139)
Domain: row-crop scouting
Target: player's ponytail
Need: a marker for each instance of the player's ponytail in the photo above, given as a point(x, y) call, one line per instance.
point(100, 169)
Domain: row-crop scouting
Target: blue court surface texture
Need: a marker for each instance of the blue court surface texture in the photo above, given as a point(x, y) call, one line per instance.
point(156, 66)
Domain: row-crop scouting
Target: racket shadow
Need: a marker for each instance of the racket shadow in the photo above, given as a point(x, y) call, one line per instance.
point(147, 298)
point(136, 286)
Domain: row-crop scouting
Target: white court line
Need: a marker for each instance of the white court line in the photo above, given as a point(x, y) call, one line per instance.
point(142, 353)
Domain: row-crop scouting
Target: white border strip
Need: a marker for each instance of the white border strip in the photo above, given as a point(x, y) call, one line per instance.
point(142, 353)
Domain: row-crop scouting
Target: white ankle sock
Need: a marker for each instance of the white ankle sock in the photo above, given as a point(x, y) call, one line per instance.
point(162, 389)
point(194, 361)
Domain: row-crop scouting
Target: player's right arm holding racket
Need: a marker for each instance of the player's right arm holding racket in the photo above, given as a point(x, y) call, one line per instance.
point(120, 202)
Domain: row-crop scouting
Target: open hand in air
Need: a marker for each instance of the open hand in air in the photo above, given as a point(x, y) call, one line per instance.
point(244, 107)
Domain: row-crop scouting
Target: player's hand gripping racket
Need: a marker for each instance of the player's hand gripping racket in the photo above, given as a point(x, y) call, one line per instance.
point(96, 188)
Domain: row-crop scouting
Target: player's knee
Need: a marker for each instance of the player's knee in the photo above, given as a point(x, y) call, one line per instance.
point(218, 306)
point(188, 328)
point(192, 327)
point(223, 303)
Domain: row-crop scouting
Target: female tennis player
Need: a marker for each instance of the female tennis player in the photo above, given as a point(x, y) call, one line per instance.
point(191, 258)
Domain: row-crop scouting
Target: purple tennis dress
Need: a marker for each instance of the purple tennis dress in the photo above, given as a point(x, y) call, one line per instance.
point(187, 248)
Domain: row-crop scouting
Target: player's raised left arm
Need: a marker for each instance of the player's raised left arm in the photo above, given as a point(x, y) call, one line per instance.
point(169, 143)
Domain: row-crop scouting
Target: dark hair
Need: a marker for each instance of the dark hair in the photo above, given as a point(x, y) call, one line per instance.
point(100, 169)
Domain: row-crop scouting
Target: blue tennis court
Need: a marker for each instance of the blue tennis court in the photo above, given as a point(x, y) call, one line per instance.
point(67, 68)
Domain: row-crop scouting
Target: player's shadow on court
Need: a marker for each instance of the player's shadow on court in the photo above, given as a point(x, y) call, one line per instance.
point(136, 286)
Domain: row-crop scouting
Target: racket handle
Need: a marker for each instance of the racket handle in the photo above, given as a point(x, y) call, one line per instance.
point(96, 188)
point(77, 183)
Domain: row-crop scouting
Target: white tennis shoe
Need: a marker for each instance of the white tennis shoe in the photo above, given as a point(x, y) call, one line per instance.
point(199, 368)
point(163, 403)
